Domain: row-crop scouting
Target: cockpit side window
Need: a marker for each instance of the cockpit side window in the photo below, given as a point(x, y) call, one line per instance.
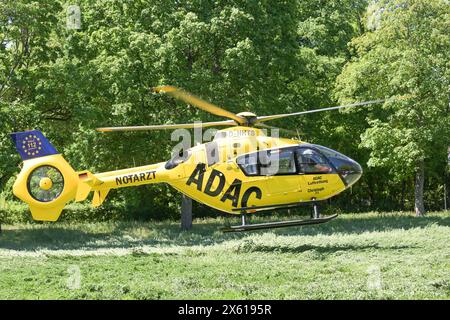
point(249, 164)
point(311, 161)
point(278, 162)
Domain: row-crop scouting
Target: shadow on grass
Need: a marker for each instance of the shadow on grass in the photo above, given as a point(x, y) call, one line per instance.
point(129, 235)
point(317, 248)
point(371, 223)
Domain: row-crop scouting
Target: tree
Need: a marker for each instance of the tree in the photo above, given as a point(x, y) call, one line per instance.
point(234, 53)
point(262, 56)
point(405, 59)
point(26, 50)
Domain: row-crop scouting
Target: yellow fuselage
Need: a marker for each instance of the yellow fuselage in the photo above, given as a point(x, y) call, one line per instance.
point(210, 174)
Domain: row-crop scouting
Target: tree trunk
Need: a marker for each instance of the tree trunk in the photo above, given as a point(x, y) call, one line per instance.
point(402, 201)
point(186, 213)
point(418, 189)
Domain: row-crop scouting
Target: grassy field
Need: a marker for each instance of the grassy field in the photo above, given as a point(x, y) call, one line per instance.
point(356, 256)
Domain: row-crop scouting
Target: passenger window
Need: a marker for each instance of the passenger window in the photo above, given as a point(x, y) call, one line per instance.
point(279, 162)
point(310, 161)
point(268, 162)
point(249, 164)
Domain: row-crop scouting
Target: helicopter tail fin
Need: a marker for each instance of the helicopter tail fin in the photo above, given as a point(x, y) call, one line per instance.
point(47, 182)
point(32, 144)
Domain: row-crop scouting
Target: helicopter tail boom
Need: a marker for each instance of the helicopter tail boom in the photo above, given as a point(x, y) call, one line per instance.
point(101, 183)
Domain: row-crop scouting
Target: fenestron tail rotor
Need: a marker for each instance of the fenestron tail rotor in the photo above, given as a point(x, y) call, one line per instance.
point(45, 183)
point(248, 119)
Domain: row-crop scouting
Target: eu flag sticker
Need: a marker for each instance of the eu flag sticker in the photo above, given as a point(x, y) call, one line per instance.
point(32, 144)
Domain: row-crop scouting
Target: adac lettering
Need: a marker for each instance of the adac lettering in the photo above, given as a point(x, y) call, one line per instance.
point(137, 177)
point(232, 193)
point(317, 180)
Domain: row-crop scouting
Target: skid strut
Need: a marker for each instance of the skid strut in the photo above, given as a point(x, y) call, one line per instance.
point(315, 213)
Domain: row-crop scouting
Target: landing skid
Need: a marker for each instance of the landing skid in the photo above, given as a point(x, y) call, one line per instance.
point(280, 224)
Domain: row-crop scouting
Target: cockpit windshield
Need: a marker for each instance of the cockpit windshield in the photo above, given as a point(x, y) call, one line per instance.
point(348, 168)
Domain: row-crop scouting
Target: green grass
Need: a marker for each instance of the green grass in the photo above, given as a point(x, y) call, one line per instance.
point(357, 256)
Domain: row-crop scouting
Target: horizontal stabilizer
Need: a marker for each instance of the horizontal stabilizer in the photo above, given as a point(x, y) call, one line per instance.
point(87, 181)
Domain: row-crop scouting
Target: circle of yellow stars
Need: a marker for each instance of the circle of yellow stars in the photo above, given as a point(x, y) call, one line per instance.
point(32, 138)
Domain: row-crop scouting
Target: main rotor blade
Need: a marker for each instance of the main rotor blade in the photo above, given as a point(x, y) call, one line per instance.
point(169, 126)
point(284, 115)
point(199, 103)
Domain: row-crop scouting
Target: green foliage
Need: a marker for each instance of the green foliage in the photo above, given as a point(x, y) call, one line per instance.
point(263, 56)
point(405, 59)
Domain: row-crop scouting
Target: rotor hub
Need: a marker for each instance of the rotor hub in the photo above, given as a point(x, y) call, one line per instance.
point(249, 117)
point(45, 183)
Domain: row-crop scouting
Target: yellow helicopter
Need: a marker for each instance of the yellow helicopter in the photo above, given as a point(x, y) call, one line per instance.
point(241, 171)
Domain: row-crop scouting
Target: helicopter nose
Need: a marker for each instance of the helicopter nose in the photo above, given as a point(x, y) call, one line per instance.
point(349, 170)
